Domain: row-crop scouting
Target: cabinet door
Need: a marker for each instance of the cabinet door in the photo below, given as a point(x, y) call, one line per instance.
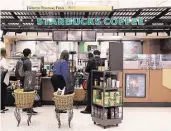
point(116, 56)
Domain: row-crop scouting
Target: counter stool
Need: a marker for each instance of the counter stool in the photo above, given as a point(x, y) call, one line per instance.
point(23, 100)
point(63, 102)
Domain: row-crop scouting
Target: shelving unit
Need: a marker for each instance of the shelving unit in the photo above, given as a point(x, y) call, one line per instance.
point(107, 98)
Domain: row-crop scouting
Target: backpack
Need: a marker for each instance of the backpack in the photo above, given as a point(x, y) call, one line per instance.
point(19, 71)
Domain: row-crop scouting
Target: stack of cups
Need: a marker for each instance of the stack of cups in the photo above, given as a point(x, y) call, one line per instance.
point(115, 83)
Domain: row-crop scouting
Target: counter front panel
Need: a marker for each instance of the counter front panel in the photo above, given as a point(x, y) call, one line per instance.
point(155, 91)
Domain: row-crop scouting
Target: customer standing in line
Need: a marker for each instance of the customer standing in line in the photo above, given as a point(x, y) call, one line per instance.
point(5, 80)
point(92, 64)
point(27, 66)
point(60, 78)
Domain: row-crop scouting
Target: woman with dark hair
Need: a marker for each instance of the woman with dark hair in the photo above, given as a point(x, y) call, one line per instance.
point(60, 77)
point(4, 78)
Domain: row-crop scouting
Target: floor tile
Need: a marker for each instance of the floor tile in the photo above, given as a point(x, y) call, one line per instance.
point(135, 119)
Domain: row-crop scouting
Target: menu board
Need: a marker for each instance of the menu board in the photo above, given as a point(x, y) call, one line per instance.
point(91, 48)
point(166, 57)
point(132, 47)
point(135, 85)
point(166, 61)
point(74, 35)
point(143, 61)
point(59, 35)
point(155, 62)
point(89, 35)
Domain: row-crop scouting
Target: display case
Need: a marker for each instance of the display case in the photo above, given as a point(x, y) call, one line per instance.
point(147, 61)
point(37, 63)
point(107, 100)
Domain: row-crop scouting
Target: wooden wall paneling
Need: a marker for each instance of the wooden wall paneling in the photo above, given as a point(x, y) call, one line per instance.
point(47, 90)
point(151, 46)
point(158, 93)
point(146, 47)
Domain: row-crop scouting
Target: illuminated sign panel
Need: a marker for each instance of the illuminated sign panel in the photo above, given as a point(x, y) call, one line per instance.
point(90, 21)
point(70, 8)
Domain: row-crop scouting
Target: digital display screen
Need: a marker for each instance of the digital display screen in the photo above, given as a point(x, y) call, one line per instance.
point(60, 35)
point(74, 35)
point(89, 36)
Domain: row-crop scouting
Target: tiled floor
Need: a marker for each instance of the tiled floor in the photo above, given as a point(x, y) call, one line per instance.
point(135, 119)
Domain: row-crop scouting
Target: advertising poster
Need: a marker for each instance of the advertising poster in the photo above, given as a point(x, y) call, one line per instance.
point(131, 50)
point(135, 85)
point(47, 49)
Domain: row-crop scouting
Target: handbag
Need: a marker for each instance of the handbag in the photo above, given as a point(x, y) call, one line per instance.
point(71, 84)
point(29, 83)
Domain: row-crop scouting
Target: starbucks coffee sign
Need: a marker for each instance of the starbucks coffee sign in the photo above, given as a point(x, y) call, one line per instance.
point(89, 21)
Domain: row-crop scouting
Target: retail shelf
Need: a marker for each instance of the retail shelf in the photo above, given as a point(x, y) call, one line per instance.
point(113, 72)
point(102, 91)
point(106, 106)
point(106, 122)
point(106, 89)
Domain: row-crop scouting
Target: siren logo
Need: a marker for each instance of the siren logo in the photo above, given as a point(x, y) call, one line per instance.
point(90, 21)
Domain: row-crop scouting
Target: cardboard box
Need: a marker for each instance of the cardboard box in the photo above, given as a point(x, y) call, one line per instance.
point(116, 112)
point(112, 94)
point(112, 113)
point(117, 93)
point(94, 96)
point(106, 101)
point(112, 102)
point(99, 101)
point(107, 94)
point(116, 115)
point(105, 114)
point(118, 100)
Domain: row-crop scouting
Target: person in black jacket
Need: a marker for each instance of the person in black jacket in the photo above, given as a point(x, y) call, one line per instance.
point(92, 64)
point(90, 56)
point(27, 66)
